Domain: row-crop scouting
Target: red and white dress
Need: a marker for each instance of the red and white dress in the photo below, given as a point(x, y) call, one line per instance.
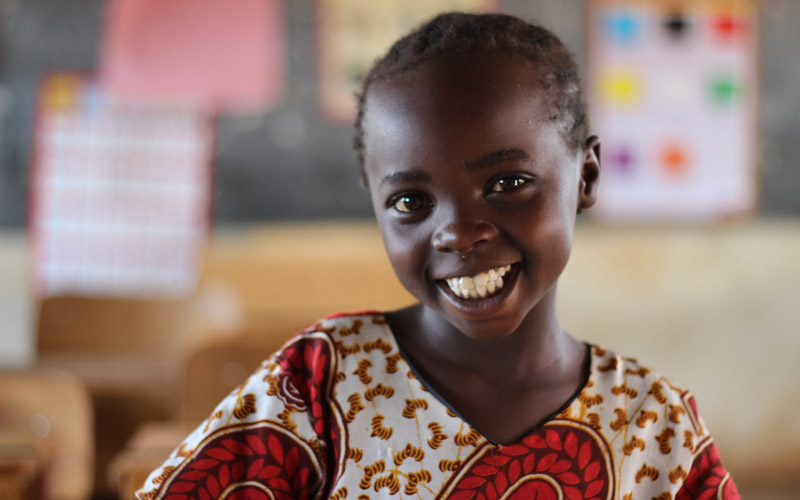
point(338, 413)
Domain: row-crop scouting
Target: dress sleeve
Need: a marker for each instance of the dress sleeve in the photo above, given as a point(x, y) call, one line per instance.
point(707, 478)
point(266, 439)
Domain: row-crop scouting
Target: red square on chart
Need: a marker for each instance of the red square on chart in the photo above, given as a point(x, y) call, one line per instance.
point(213, 53)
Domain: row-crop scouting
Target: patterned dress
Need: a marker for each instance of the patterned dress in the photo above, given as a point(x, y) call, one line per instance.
point(338, 413)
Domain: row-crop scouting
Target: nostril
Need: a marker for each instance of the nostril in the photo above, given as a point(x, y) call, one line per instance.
point(462, 238)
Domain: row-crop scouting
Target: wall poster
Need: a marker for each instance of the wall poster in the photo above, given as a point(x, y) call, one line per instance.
point(673, 94)
point(353, 33)
point(120, 193)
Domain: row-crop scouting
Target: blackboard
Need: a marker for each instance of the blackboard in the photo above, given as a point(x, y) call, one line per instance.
point(292, 163)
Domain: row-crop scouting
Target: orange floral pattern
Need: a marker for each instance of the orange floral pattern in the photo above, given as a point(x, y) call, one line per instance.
point(338, 413)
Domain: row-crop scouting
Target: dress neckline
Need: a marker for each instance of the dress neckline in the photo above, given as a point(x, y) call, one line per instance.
point(587, 382)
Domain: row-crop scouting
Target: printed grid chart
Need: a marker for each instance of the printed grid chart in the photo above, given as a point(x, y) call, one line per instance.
point(673, 97)
point(121, 194)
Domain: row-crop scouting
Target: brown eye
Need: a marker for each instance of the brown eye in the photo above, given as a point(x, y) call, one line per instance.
point(408, 203)
point(508, 184)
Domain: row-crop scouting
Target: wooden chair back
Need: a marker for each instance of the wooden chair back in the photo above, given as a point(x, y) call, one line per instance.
point(316, 269)
point(98, 325)
point(219, 365)
point(46, 417)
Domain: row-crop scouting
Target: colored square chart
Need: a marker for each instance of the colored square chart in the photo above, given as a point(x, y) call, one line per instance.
point(672, 91)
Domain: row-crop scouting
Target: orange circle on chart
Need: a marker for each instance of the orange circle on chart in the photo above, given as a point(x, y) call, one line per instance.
point(674, 160)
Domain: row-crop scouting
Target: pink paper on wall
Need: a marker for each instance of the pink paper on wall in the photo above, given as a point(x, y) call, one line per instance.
point(213, 53)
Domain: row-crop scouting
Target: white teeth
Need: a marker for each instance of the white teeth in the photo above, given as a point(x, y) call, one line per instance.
point(466, 283)
point(480, 285)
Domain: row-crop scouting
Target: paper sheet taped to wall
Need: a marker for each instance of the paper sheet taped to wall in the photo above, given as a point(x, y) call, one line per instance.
point(354, 33)
point(673, 88)
point(223, 54)
point(120, 193)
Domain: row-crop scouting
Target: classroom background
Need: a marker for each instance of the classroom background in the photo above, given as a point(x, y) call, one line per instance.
point(178, 195)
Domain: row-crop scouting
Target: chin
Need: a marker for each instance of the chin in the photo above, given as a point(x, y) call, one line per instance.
point(486, 329)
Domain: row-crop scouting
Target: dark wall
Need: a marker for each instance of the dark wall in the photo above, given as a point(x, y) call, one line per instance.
point(292, 163)
point(37, 36)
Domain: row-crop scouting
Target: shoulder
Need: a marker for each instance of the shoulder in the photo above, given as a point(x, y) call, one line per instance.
point(624, 376)
point(340, 325)
point(644, 393)
point(275, 429)
point(637, 432)
point(339, 336)
point(645, 418)
point(306, 370)
point(310, 359)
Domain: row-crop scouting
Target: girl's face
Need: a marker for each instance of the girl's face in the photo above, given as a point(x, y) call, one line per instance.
point(475, 189)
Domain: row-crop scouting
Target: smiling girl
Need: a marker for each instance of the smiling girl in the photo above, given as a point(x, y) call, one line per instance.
point(473, 142)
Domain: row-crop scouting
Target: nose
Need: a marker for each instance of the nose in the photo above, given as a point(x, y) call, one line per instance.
point(463, 236)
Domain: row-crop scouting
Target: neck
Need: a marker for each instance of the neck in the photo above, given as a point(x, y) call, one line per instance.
point(534, 354)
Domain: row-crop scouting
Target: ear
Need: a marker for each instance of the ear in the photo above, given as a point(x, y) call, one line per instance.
point(362, 178)
point(590, 173)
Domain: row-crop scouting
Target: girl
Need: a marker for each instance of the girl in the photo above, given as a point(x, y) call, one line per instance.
point(472, 138)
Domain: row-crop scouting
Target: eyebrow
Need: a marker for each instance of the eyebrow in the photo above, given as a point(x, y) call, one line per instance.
point(490, 159)
point(405, 176)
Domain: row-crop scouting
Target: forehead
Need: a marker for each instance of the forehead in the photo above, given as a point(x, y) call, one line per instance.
point(459, 81)
point(457, 104)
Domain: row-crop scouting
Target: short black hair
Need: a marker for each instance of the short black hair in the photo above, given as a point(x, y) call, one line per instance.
point(462, 34)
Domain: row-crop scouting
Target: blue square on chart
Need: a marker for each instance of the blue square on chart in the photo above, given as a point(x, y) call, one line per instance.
point(622, 26)
point(92, 100)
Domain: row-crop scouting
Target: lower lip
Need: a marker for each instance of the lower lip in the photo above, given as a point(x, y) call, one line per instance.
point(487, 306)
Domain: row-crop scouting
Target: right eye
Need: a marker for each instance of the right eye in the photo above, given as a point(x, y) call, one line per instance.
point(409, 202)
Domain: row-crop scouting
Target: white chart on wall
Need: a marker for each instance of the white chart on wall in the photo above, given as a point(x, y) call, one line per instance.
point(120, 193)
point(673, 90)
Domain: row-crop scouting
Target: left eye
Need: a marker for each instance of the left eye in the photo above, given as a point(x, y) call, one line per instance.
point(507, 184)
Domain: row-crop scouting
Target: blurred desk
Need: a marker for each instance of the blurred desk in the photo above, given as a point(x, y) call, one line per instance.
point(45, 436)
point(128, 354)
point(147, 449)
point(125, 391)
point(23, 467)
point(112, 374)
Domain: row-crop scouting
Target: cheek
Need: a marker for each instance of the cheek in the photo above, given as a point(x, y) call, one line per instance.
point(406, 253)
point(549, 235)
point(396, 245)
point(395, 242)
point(557, 235)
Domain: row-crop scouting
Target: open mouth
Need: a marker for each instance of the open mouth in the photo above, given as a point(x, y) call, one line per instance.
point(479, 286)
